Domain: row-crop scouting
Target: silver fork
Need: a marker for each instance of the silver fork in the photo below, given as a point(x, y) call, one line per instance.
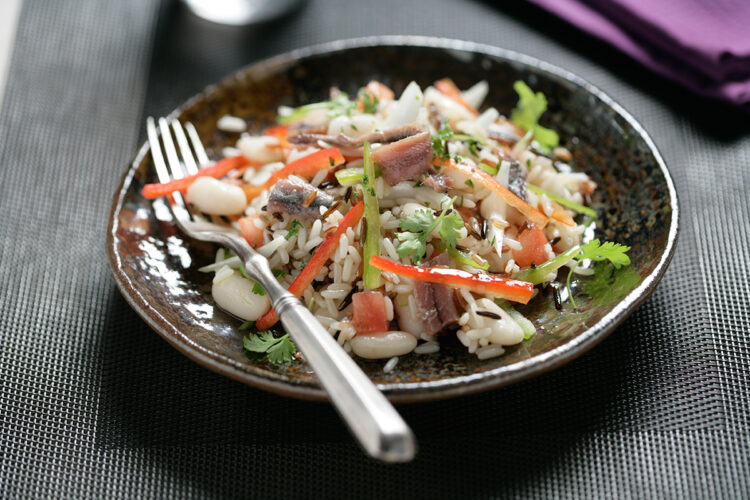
point(377, 426)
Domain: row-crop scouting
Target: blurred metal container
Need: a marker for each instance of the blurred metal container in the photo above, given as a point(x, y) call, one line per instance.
point(240, 12)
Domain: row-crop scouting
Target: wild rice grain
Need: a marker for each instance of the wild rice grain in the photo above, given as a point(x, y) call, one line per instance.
point(488, 314)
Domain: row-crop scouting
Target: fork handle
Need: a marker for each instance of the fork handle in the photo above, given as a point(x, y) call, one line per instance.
point(370, 416)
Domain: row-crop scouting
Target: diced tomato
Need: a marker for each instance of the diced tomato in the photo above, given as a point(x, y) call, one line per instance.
point(369, 312)
point(252, 233)
point(533, 241)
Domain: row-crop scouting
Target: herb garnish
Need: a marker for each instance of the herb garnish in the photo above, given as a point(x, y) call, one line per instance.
point(417, 228)
point(293, 229)
point(369, 101)
point(277, 273)
point(593, 250)
point(276, 350)
point(340, 105)
point(526, 115)
point(440, 149)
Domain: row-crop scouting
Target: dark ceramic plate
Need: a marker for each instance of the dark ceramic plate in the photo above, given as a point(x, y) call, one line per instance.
point(154, 265)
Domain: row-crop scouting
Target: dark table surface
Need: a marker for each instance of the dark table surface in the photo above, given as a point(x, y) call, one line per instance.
point(93, 403)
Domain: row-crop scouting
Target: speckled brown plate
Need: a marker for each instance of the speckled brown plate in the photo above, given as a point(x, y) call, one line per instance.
point(155, 266)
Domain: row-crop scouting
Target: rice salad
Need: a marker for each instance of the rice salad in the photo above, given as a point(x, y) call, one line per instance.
point(399, 222)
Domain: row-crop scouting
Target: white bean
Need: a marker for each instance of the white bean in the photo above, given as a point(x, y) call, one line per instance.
point(214, 197)
point(383, 345)
point(234, 294)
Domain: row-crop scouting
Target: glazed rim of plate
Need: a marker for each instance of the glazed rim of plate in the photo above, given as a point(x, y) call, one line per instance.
point(406, 391)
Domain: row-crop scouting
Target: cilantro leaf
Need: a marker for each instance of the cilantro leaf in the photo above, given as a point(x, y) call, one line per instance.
point(340, 105)
point(450, 229)
point(276, 350)
point(282, 351)
point(529, 108)
point(420, 225)
point(608, 285)
point(439, 148)
point(527, 112)
point(258, 290)
point(420, 221)
point(369, 101)
point(293, 229)
point(414, 244)
point(615, 253)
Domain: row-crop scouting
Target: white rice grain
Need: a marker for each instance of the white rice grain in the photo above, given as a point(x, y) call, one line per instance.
point(462, 338)
point(427, 348)
point(229, 123)
point(333, 294)
point(389, 249)
point(391, 364)
point(319, 177)
point(478, 333)
point(512, 244)
point(270, 247)
point(463, 319)
point(488, 352)
point(312, 243)
point(388, 308)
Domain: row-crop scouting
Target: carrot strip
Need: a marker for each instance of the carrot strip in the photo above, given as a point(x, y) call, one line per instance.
point(486, 180)
point(485, 284)
point(375, 89)
point(324, 252)
point(281, 132)
point(219, 169)
point(447, 87)
point(306, 166)
point(559, 214)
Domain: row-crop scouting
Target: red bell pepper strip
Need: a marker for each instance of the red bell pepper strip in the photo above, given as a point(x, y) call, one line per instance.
point(218, 170)
point(324, 252)
point(486, 180)
point(485, 284)
point(306, 166)
point(448, 88)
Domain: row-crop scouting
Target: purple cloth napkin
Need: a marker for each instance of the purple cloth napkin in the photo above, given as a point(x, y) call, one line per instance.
point(703, 44)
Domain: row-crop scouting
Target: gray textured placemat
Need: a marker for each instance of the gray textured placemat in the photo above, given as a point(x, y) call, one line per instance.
point(93, 403)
